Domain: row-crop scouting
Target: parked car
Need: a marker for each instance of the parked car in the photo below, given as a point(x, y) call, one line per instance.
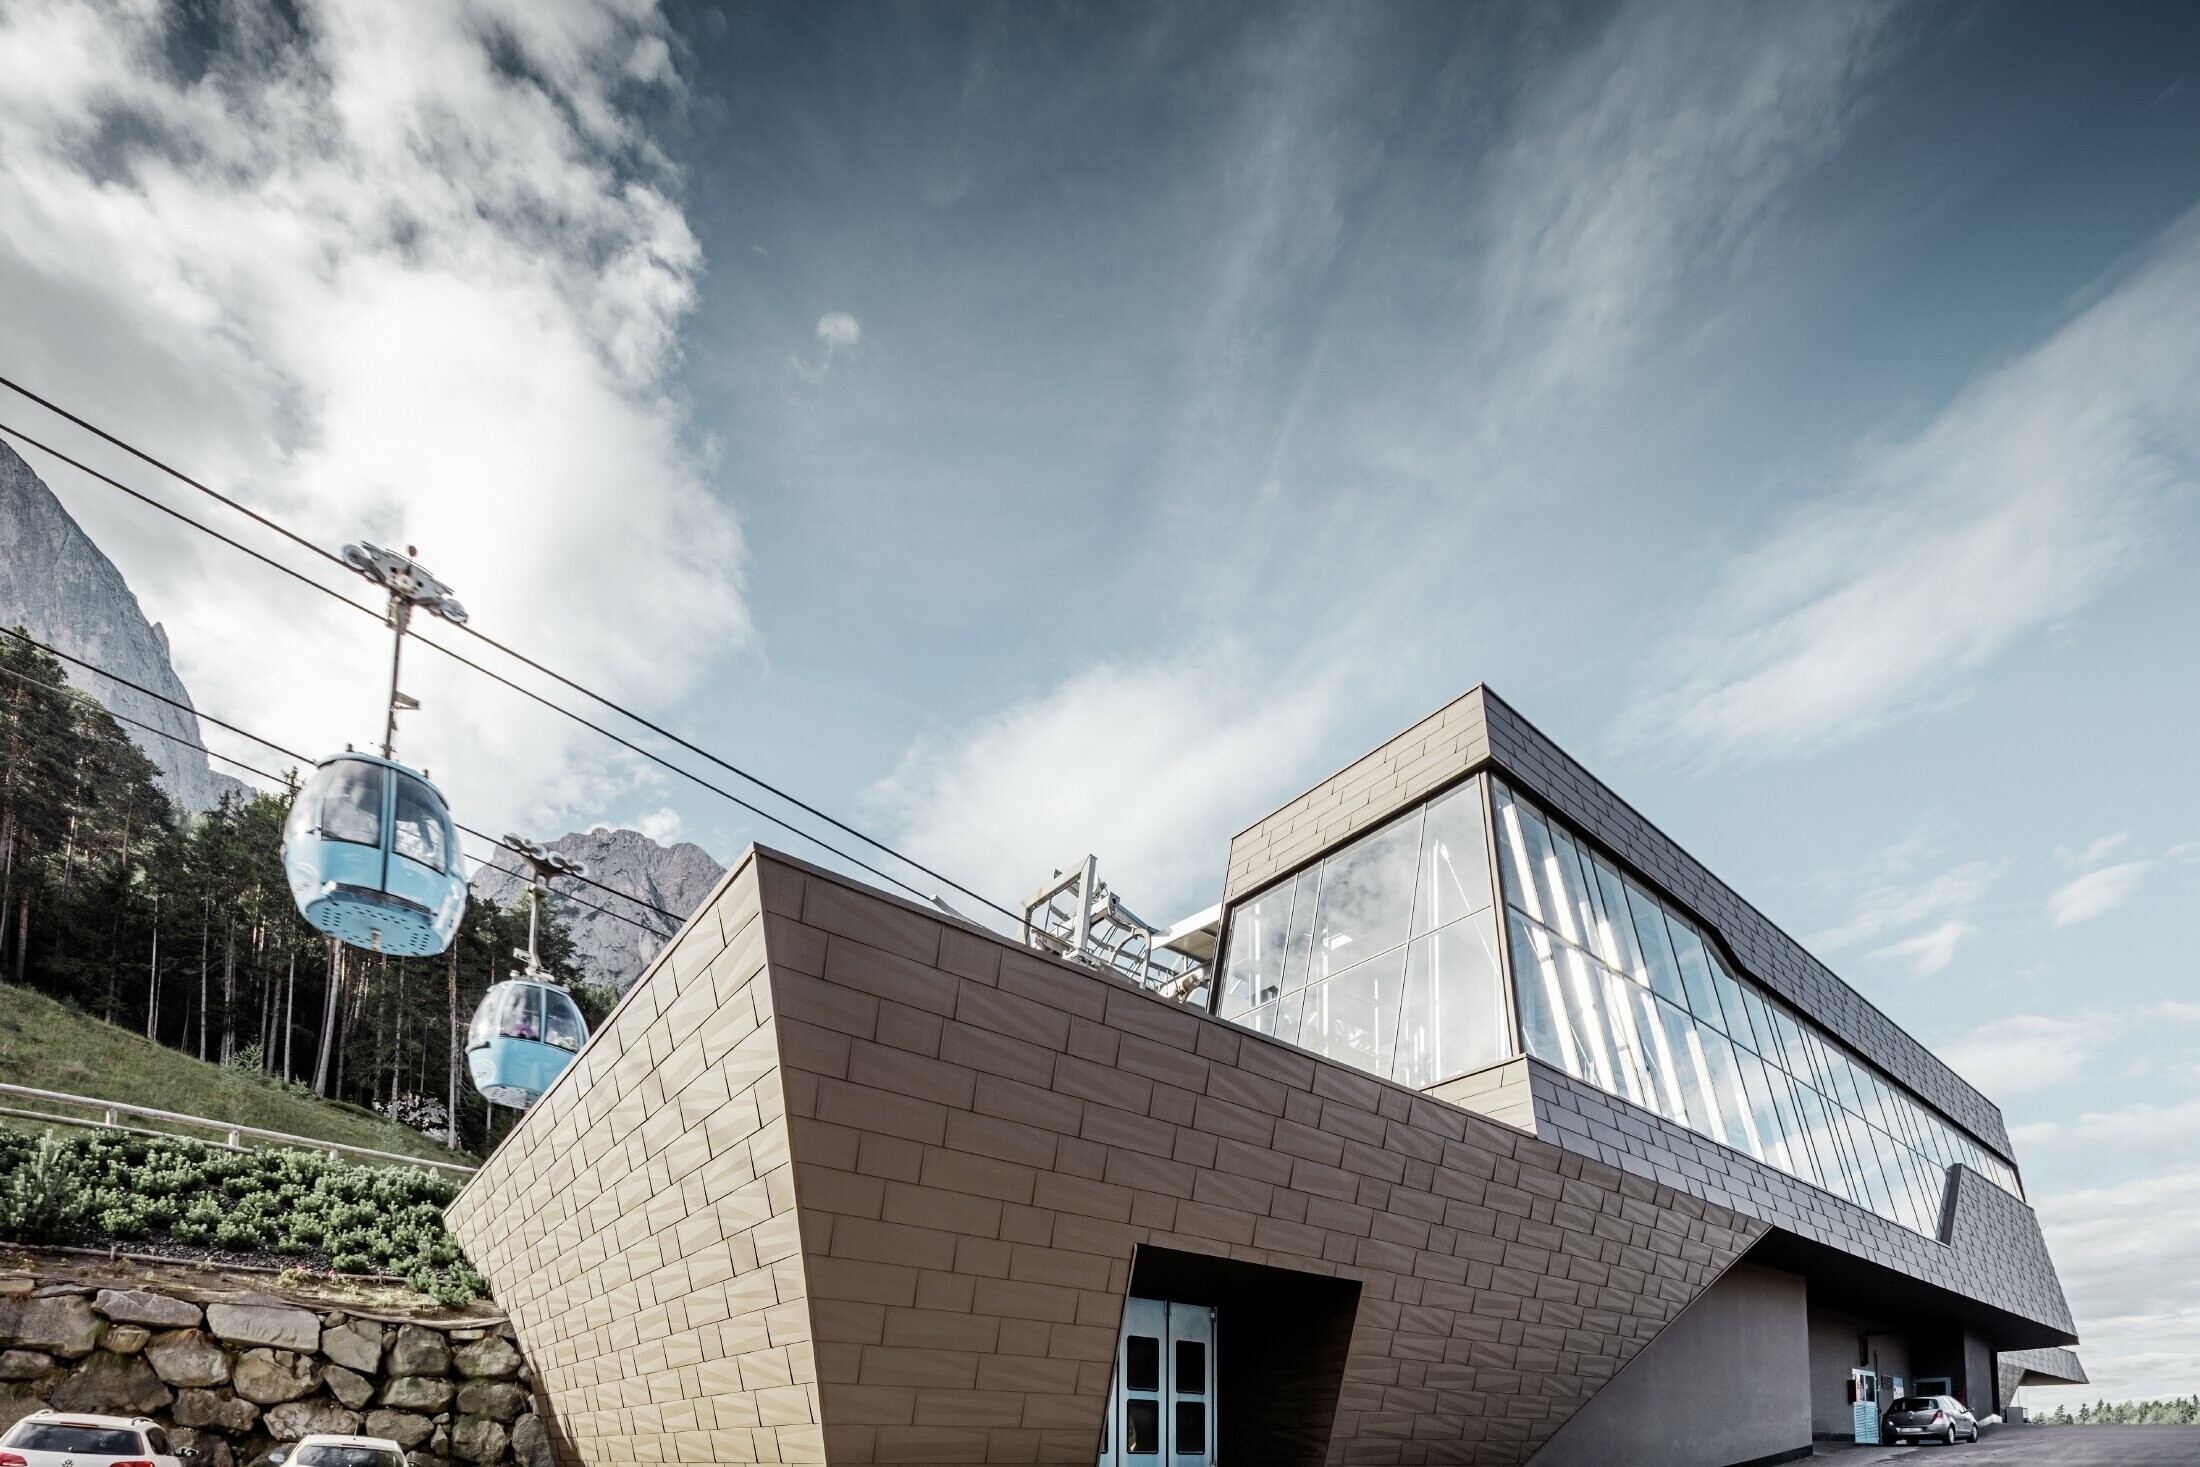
point(1923, 1419)
point(323, 1449)
point(72, 1439)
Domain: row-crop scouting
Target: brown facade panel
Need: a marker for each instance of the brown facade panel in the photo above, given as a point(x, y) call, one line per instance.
point(936, 1157)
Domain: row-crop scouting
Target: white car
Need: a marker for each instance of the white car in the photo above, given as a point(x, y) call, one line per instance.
point(323, 1449)
point(72, 1439)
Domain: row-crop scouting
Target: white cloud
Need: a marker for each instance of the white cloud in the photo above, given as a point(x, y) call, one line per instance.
point(1932, 950)
point(1896, 893)
point(2188, 1013)
point(2129, 1257)
point(1150, 767)
point(2023, 1053)
point(662, 826)
point(2030, 495)
point(408, 274)
point(2099, 851)
point(1657, 149)
point(839, 330)
point(2096, 893)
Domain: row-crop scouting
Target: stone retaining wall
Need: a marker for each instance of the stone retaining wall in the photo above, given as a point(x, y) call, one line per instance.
point(235, 1374)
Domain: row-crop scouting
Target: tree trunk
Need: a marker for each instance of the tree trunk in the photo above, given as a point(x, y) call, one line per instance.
point(290, 1010)
point(229, 988)
point(329, 1010)
point(451, 990)
point(22, 935)
point(206, 918)
point(152, 979)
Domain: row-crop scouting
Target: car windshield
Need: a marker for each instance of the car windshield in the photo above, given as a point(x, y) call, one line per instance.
point(91, 1441)
point(1917, 1403)
point(324, 1454)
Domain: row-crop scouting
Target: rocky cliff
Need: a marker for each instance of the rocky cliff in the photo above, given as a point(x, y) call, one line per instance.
point(58, 586)
point(675, 877)
point(233, 1373)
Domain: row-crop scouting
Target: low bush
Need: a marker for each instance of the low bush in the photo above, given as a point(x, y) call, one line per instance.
point(100, 1187)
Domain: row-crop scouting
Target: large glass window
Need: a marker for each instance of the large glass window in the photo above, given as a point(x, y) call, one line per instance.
point(1384, 956)
point(351, 805)
point(1618, 989)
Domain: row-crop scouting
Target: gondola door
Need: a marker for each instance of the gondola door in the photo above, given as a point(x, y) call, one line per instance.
point(1162, 1409)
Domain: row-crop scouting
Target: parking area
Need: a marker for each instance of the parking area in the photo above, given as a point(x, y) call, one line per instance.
point(2050, 1446)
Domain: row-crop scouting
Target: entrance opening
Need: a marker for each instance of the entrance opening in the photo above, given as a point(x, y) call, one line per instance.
point(1222, 1359)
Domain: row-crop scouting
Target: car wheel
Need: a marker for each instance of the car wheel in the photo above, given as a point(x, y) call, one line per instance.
point(1951, 1433)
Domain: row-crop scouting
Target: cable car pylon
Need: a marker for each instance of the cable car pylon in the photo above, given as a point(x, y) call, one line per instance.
point(369, 847)
point(527, 1028)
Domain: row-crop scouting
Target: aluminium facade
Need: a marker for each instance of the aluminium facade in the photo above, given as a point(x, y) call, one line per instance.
point(1512, 1135)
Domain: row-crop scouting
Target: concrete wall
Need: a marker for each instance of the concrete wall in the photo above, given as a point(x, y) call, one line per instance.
point(1728, 1381)
point(922, 1256)
point(1834, 1352)
point(1501, 1091)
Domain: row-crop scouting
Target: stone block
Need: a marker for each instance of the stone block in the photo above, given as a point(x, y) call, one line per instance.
point(188, 1357)
point(112, 1385)
point(356, 1345)
point(478, 1439)
point(274, 1325)
point(63, 1326)
point(216, 1409)
point(494, 1357)
point(271, 1377)
point(142, 1306)
point(418, 1351)
point(416, 1392)
point(294, 1419)
point(125, 1339)
point(24, 1364)
point(406, 1428)
point(531, 1442)
point(348, 1386)
point(499, 1400)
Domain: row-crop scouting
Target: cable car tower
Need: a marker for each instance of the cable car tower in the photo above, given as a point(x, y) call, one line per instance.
point(369, 848)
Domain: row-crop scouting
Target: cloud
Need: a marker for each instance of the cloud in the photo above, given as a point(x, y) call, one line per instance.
point(839, 330)
point(414, 275)
point(2032, 494)
point(2096, 893)
point(1655, 151)
point(2129, 1257)
point(2188, 1013)
point(2023, 1053)
point(662, 826)
point(1930, 951)
point(1895, 892)
point(1149, 766)
point(2099, 851)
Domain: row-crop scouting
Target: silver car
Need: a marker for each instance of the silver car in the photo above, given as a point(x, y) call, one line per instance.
point(1923, 1419)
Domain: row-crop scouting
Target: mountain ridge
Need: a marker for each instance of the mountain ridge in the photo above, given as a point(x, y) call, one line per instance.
point(674, 877)
point(61, 588)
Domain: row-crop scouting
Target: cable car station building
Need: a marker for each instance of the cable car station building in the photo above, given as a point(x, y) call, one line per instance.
point(1504, 1133)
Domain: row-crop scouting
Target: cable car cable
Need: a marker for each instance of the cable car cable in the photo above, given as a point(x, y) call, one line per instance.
point(522, 657)
point(268, 743)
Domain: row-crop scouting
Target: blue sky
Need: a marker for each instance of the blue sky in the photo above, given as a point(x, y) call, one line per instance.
point(1028, 429)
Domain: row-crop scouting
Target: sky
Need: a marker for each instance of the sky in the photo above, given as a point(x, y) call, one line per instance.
point(1026, 429)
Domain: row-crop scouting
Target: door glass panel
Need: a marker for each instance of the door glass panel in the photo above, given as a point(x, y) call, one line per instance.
point(1142, 1427)
point(1142, 1363)
point(1191, 1428)
point(1191, 1368)
point(351, 810)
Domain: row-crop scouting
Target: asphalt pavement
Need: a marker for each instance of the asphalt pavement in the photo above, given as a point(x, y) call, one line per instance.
point(2049, 1446)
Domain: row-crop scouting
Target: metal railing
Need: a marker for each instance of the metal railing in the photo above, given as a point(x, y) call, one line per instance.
point(233, 1134)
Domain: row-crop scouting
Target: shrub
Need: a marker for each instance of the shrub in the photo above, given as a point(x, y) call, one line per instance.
point(362, 1219)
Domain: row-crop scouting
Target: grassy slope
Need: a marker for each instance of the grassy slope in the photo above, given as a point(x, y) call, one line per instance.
point(51, 1046)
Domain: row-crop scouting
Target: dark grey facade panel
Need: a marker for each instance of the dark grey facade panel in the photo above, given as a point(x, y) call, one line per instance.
point(1769, 955)
point(1993, 1250)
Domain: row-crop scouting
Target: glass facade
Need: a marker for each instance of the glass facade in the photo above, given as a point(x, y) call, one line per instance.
point(1621, 991)
point(1383, 957)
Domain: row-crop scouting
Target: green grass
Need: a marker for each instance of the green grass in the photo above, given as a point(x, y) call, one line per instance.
point(50, 1046)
